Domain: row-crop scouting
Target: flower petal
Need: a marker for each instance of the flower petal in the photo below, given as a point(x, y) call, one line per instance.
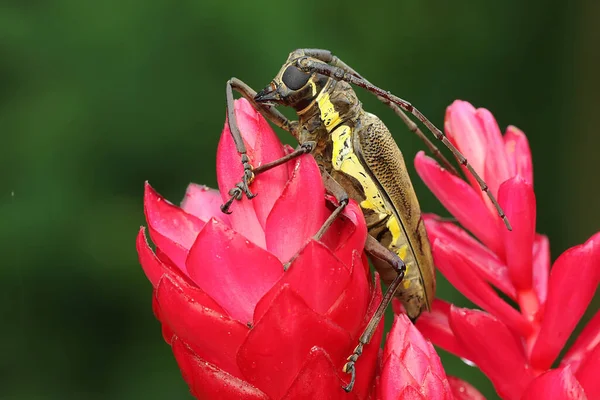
point(395, 378)
point(257, 132)
point(435, 326)
point(156, 269)
point(231, 269)
point(287, 149)
point(496, 168)
point(459, 271)
point(276, 347)
point(518, 201)
point(152, 266)
point(518, 153)
point(415, 360)
point(463, 390)
point(494, 349)
point(270, 184)
point(316, 275)
point(409, 359)
point(318, 380)
point(264, 146)
point(462, 201)
point(541, 267)
point(435, 386)
point(573, 281)
point(410, 393)
point(170, 228)
point(203, 203)
point(186, 317)
point(587, 374)
point(484, 262)
point(166, 331)
point(586, 341)
point(370, 356)
point(466, 131)
point(230, 171)
point(291, 223)
point(402, 335)
point(347, 234)
point(350, 308)
point(556, 384)
point(207, 381)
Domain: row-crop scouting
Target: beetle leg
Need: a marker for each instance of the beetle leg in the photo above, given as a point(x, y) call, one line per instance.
point(342, 198)
point(310, 65)
point(268, 112)
point(375, 250)
point(304, 148)
point(380, 252)
point(333, 187)
point(236, 193)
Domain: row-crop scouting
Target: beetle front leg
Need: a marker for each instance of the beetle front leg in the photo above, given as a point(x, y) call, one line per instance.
point(243, 187)
point(240, 188)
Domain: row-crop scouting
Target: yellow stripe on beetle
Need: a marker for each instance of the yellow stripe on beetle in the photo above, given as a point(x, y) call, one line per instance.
point(329, 115)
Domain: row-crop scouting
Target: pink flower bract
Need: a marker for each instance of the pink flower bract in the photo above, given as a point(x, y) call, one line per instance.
point(515, 348)
point(412, 369)
point(239, 324)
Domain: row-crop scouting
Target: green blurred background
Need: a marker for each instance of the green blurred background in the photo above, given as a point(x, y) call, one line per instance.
point(97, 97)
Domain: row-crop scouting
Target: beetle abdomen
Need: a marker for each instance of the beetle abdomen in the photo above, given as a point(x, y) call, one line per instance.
point(368, 155)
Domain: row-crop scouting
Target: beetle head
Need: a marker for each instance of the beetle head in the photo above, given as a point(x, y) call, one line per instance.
point(292, 87)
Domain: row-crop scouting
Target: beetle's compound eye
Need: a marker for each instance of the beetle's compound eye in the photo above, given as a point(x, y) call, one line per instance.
point(293, 78)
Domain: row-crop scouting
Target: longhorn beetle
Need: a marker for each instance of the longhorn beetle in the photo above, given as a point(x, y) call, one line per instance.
point(358, 159)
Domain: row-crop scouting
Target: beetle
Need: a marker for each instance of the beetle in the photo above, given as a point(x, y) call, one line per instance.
point(358, 159)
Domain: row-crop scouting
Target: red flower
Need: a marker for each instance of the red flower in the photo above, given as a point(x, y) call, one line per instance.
point(239, 325)
point(513, 347)
point(556, 384)
point(412, 370)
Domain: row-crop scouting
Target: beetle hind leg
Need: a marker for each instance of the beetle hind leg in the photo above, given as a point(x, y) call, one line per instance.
point(378, 251)
point(349, 367)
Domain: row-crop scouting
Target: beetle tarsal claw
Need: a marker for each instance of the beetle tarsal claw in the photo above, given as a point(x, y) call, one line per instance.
point(237, 193)
point(234, 193)
point(243, 187)
point(349, 369)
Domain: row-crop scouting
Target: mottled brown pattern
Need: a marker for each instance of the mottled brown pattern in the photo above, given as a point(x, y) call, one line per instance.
point(382, 159)
point(376, 147)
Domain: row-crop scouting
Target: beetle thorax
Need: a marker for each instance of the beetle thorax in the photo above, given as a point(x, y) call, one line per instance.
point(334, 105)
